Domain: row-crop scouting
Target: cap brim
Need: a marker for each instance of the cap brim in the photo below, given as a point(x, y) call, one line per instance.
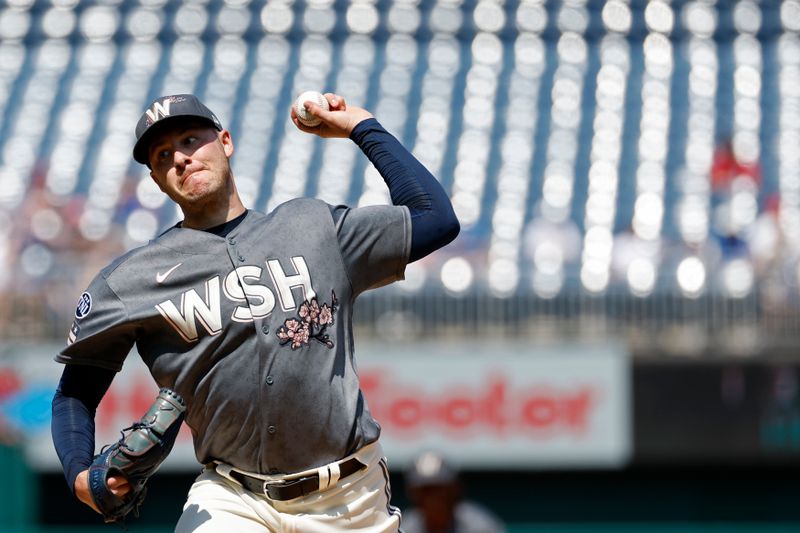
point(141, 148)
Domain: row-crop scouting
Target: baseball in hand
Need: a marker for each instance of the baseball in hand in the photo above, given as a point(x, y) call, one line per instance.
point(304, 116)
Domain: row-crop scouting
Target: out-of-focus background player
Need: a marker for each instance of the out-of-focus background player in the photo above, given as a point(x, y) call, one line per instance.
point(610, 342)
point(435, 490)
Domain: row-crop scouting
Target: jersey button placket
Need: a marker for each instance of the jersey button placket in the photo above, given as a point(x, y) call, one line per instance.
point(233, 251)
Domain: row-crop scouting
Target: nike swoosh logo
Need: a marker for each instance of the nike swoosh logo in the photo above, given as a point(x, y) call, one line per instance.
point(161, 277)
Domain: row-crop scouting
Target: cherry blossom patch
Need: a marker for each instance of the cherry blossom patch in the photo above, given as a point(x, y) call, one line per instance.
point(310, 324)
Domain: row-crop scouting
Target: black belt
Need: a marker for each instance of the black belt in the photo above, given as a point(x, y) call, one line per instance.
point(293, 488)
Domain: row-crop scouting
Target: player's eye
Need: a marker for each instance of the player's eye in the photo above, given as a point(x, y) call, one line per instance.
point(161, 155)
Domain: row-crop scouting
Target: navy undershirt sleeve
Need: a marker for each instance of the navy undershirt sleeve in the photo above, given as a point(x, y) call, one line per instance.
point(78, 394)
point(433, 221)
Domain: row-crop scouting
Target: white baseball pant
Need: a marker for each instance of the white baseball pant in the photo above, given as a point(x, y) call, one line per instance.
point(360, 502)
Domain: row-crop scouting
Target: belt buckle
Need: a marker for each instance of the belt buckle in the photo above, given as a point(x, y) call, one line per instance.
point(267, 485)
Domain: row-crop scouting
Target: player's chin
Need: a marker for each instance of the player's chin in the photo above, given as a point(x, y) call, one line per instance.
point(193, 191)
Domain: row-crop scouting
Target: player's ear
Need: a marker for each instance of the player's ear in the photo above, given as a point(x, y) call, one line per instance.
point(227, 142)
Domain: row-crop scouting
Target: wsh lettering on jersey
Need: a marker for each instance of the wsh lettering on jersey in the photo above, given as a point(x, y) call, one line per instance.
point(242, 285)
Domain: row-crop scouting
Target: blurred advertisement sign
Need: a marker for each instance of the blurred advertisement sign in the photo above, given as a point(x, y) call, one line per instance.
point(496, 406)
point(486, 406)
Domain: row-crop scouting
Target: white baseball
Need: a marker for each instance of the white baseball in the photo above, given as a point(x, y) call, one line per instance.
point(304, 116)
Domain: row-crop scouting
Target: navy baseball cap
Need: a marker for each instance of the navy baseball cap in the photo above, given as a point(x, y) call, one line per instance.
point(430, 468)
point(167, 109)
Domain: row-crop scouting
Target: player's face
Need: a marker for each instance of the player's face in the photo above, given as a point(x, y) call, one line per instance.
point(437, 503)
point(190, 161)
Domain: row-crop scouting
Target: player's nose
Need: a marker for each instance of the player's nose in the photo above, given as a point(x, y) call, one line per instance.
point(180, 159)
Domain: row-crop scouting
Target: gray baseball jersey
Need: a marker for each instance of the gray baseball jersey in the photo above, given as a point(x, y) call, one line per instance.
point(252, 329)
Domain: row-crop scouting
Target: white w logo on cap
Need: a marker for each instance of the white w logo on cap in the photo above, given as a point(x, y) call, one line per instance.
point(160, 110)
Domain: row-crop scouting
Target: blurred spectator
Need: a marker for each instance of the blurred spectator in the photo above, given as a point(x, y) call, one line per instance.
point(726, 167)
point(745, 235)
point(434, 488)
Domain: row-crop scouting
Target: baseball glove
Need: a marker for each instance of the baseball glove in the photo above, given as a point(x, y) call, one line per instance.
point(136, 456)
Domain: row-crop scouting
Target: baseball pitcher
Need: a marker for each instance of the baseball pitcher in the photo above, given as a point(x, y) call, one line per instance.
point(244, 321)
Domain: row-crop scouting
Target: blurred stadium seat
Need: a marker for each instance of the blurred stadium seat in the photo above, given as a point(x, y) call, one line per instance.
point(621, 167)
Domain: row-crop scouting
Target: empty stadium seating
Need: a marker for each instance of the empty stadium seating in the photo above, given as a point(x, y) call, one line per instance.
point(598, 148)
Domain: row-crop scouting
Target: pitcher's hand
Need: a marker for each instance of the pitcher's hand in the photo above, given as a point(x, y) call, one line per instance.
point(339, 121)
point(118, 486)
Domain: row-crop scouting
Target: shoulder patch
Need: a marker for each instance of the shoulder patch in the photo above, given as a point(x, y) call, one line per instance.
point(84, 305)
